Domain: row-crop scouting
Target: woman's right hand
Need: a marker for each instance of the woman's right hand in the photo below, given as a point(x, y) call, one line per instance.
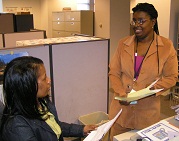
point(124, 103)
point(128, 90)
point(88, 128)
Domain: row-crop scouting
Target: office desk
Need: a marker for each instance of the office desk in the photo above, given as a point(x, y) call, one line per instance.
point(125, 136)
point(132, 136)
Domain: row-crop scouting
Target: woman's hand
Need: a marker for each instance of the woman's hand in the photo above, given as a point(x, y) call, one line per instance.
point(124, 103)
point(125, 95)
point(88, 128)
point(153, 87)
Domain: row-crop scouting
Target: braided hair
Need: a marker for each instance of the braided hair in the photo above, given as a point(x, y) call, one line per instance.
point(150, 10)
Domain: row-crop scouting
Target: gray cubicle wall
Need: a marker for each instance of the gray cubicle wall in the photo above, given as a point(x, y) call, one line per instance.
point(80, 77)
point(40, 51)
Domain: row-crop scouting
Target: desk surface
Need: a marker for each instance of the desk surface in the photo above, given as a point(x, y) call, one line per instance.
point(125, 136)
point(132, 134)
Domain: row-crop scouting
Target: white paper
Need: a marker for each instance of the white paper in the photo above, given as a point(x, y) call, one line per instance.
point(161, 131)
point(136, 95)
point(98, 134)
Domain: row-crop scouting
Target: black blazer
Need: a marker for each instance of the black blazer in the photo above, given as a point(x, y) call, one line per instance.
point(1, 110)
point(19, 128)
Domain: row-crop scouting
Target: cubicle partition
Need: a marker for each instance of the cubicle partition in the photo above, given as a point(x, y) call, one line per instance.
point(11, 38)
point(80, 78)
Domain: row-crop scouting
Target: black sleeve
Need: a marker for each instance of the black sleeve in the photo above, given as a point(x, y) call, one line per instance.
point(18, 130)
point(71, 130)
point(1, 110)
point(68, 130)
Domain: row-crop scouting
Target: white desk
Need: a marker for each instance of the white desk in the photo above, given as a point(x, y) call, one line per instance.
point(127, 136)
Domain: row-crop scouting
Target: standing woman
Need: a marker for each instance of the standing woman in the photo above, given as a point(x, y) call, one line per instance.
point(138, 61)
point(29, 115)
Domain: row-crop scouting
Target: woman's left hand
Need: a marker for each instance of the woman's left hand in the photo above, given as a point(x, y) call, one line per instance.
point(88, 128)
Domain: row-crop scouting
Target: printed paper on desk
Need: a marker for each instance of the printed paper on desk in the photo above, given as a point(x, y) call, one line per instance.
point(161, 131)
point(98, 134)
point(136, 95)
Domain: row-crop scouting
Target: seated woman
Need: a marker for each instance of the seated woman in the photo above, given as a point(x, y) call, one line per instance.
point(29, 115)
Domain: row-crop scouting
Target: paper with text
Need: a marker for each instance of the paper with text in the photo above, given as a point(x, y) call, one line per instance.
point(98, 134)
point(161, 131)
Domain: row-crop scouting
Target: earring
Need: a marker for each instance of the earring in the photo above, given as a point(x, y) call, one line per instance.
point(152, 27)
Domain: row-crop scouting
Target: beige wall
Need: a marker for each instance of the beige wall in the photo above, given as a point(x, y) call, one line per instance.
point(119, 22)
point(102, 18)
point(174, 14)
point(43, 19)
point(1, 9)
point(112, 20)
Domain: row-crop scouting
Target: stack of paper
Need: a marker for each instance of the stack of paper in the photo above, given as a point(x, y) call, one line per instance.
point(136, 95)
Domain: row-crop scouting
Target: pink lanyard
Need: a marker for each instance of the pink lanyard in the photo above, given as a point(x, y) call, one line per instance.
point(139, 60)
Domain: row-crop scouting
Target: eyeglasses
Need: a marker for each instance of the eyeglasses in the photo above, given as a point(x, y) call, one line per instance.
point(139, 21)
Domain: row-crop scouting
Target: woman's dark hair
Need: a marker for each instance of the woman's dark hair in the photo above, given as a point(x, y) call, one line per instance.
point(2, 67)
point(150, 10)
point(2, 64)
point(20, 88)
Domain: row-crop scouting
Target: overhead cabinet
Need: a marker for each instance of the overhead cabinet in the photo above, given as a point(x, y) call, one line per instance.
point(10, 22)
point(66, 23)
point(7, 22)
point(24, 22)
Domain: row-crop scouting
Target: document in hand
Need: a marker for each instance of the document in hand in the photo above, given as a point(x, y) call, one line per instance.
point(136, 95)
point(161, 131)
point(98, 134)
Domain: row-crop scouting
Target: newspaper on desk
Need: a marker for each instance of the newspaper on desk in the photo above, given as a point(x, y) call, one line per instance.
point(98, 134)
point(161, 131)
point(136, 95)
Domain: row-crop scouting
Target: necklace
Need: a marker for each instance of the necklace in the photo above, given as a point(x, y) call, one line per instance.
point(136, 71)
